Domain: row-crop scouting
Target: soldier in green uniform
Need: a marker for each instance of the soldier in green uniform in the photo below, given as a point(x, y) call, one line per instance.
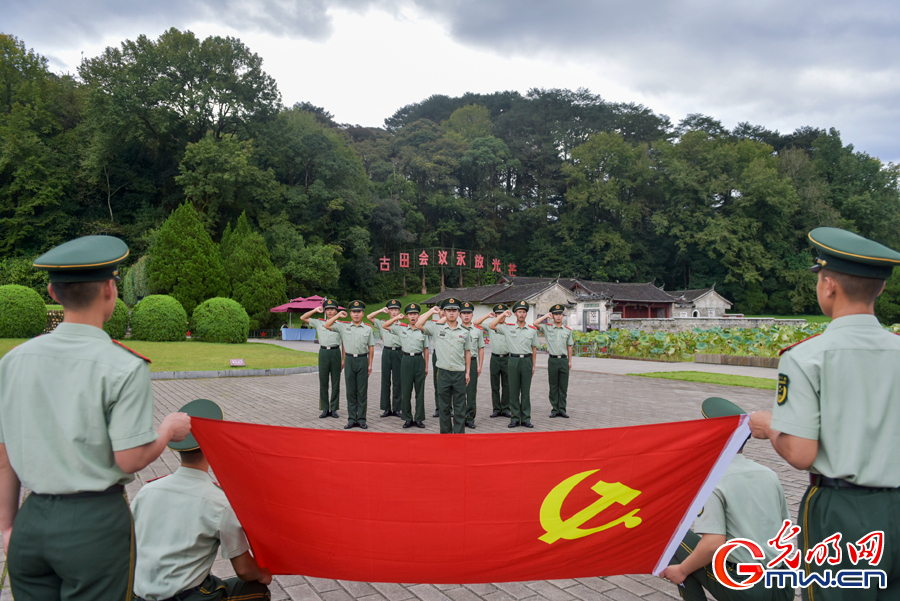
point(747, 503)
point(434, 377)
point(391, 356)
point(76, 421)
point(837, 411)
point(466, 312)
point(453, 345)
point(331, 358)
point(499, 367)
point(522, 341)
point(359, 345)
point(414, 368)
point(174, 556)
point(560, 341)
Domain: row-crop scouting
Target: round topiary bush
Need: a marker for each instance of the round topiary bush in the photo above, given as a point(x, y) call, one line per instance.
point(118, 323)
point(159, 318)
point(220, 320)
point(23, 313)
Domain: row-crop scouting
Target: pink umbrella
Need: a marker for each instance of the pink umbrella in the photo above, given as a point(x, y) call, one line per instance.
point(299, 305)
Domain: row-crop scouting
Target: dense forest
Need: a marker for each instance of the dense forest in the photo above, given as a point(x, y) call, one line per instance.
point(559, 182)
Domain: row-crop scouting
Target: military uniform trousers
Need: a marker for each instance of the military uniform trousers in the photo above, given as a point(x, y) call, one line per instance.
point(854, 512)
point(330, 369)
point(452, 397)
point(520, 388)
point(390, 378)
point(216, 589)
point(704, 579)
point(356, 376)
point(472, 390)
point(500, 378)
point(412, 376)
point(73, 547)
point(434, 380)
point(558, 374)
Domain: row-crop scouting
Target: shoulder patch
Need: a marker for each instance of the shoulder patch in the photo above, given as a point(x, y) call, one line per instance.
point(132, 351)
point(405, 325)
point(155, 479)
point(532, 327)
point(787, 348)
point(567, 327)
point(479, 327)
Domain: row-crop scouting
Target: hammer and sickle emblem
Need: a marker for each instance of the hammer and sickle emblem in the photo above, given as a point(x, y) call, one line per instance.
point(570, 529)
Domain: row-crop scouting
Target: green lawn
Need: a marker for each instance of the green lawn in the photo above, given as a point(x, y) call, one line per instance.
point(191, 355)
point(54, 307)
point(710, 378)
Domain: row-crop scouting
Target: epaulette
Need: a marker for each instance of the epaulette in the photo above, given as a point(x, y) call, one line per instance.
point(532, 327)
point(787, 348)
point(567, 327)
point(479, 327)
point(132, 351)
point(405, 325)
point(155, 479)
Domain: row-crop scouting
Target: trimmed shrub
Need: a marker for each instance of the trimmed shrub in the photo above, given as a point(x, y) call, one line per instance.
point(23, 313)
point(220, 320)
point(118, 323)
point(159, 318)
point(18, 270)
point(136, 285)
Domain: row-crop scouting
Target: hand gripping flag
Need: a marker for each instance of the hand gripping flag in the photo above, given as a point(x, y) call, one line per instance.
point(468, 509)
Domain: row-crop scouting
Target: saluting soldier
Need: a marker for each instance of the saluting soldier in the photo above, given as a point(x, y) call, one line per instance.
point(560, 341)
point(391, 356)
point(837, 410)
point(466, 312)
point(453, 345)
point(359, 345)
point(522, 341)
point(76, 421)
point(499, 367)
point(436, 371)
point(331, 358)
point(414, 367)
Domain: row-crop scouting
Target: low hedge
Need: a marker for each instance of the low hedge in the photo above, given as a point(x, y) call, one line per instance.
point(159, 318)
point(118, 323)
point(220, 320)
point(23, 313)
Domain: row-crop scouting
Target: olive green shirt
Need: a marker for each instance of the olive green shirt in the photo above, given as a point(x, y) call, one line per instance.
point(180, 521)
point(476, 333)
point(558, 338)
point(843, 389)
point(747, 503)
point(356, 339)
point(68, 401)
point(326, 337)
point(412, 340)
point(387, 337)
point(450, 344)
point(519, 340)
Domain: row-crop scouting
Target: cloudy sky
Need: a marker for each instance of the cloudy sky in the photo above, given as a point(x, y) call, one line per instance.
point(823, 63)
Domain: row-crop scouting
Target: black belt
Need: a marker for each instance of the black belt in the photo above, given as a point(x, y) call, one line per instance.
point(519, 356)
point(359, 355)
point(411, 354)
point(328, 348)
point(392, 348)
point(559, 356)
point(115, 489)
point(821, 481)
point(500, 356)
point(178, 596)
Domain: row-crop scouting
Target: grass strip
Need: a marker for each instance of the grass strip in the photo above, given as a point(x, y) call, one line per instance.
point(713, 378)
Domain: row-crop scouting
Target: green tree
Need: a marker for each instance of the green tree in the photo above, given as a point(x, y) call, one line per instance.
point(255, 282)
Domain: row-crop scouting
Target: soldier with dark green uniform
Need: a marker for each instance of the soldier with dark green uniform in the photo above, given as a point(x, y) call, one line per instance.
point(453, 345)
point(76, 421)
point(837, 411)
point(391, 356)
point(174, 556)
point(560, 341)
point(499, 368)
point(748, 502)
point(436, 371)
point(359, 348)
point(331, 358)
point(466, 311)
point(522, 341)
point(414, 367)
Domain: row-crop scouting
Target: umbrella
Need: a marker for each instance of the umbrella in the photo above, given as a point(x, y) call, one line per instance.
point(298, 305)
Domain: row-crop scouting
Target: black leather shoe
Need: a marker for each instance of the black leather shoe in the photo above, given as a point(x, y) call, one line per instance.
point(528, 425)
point(407, 424)
point(363, 426)
point(420, 425)
point(470, 425)
point(495, 414)
point(398, 414)
point(349, 425)
point(506, 413)
point(387, 413)
point(334, 414)
point(513, 425)
point(436, 413)
point(553, 414)
point(564, 414)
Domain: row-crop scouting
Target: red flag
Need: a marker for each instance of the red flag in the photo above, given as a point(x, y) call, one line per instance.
point(467, 509)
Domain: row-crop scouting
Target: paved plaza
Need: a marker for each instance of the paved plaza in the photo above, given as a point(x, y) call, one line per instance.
point(600, 396)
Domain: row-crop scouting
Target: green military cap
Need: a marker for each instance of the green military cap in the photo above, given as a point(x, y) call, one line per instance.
point(451, 303)
point(520, 305)
point(500, 308)
point(357, 306)
point(557, 309)
point(846, 252)
point(393, 304)
point(718, 407)
point(196, 408)
point(467, 307)
point(87, 259)
point(330, 303)
point(413, 308)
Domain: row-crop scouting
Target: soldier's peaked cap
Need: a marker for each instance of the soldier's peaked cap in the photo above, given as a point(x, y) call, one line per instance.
point(196, 408)
point(413, 308)
point(86, 259)
point(500, 308)
point(467, 307)
point(357, 306)
point(557, 309)
point(451, 303)
point(330, 304)
point(520, 305)
point(718, 407)
point(846, 252)
point(393, 304)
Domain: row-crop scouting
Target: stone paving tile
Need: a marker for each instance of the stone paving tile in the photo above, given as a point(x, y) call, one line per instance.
point(375, 597)
point(563, 583)
point(323, 584)
point(482, 589)
point(586, 594)
point(285, 580)
point(516, 590)
point(276, 593)
point(498, 596)
point(302, 592)
point(392, 591)
point(462, 594)
point(427, 592)
point(630, 585)
point(549, 591)
point(447, 587)
point(338, 595)
point(598, 584)
point(358, 590)
point(621, 595)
